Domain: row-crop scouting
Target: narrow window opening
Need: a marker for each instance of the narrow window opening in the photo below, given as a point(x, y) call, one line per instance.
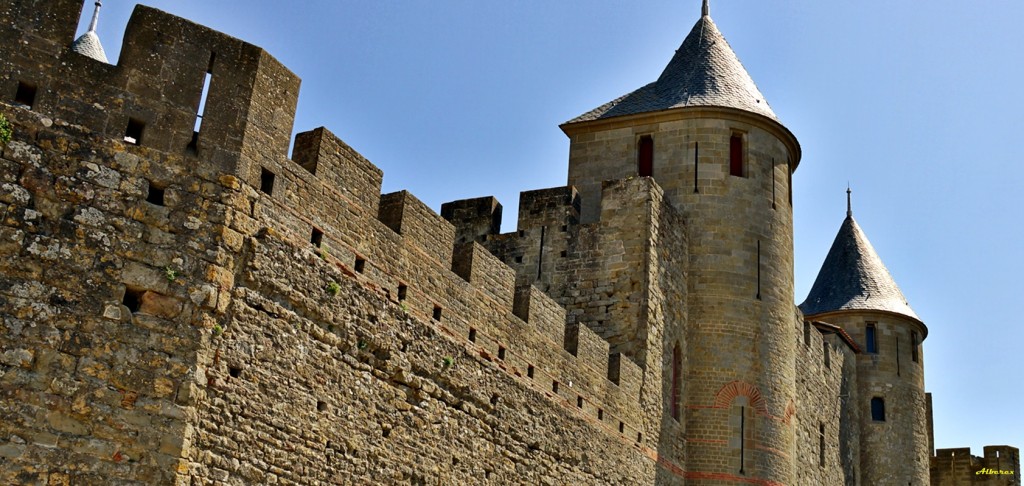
point(789, 183)
point(437, 313)
point(807, 333)
point(26, 95)
point(519, 259)
point(529, 371)
point(773, 183)
point(565, 228)
point(317, 238)
point(201, 111)
point(133, 133)
point(155, 194)
point(494, 399)
point(696, 165)
point(267, 182)
point(828, 356)
point(540, 252)
point(564, 253)
point(758, 270)
point(321, 406)
point(821, 444)
point(645, 156)
point(878, 409)
point(361, 267)
point(472, 335)
point(914, 346)
point(501, 352)
point(522, 233)
point(132, 300)
point(202, 102)
point(736, 155)
point(234, 371)
point(639, 437)
point(677, 380)
point(622, 427)
point(869, 337)
point(600, 414)
point(897, 356)
point(579, 401)
point(554, 386)
point(743, 433)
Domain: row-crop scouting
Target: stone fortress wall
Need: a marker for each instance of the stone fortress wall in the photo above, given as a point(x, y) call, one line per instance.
point(197, 305)
point(186, 306)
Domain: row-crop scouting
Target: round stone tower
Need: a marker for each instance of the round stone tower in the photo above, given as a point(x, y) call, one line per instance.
point(855, 291)
point(706, 135)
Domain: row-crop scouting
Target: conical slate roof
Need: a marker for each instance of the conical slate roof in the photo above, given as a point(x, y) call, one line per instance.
point(89, 43)
point(704, 72)
point(853, 277)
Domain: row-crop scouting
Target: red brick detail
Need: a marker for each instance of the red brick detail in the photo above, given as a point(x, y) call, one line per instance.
point(725, 396)
point(787, 417)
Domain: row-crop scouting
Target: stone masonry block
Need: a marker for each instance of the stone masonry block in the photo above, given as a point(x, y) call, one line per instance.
point(322, 153)
point(586, 345)
point(419, 226)
point(486, 273)
point(474, 219)
point(540, 312)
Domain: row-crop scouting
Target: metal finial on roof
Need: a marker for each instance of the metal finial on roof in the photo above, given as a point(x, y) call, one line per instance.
point(95, 16)
point(705, 10)
point(89, 43)
point(849, 207)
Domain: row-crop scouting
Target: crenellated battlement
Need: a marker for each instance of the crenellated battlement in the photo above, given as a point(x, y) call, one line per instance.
point(152, 96)
point(182, 302)
point(237, 238)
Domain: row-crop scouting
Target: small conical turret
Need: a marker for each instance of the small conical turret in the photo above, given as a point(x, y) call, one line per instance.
point(853, 277)
point(89, 43)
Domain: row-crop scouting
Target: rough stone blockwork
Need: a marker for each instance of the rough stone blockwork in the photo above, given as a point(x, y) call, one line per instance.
point(191, 308)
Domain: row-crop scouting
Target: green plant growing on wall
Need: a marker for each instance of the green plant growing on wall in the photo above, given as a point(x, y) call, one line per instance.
point(324, 252)
point(5, 130)
point(217, 330)
point(447, 362)
point(333, 288)
point(170, 273)
point(404, 306)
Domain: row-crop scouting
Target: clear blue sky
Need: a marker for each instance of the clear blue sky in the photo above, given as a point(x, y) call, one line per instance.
point(916, 104)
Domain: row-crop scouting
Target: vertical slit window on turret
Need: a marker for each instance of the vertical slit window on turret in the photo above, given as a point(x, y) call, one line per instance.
point(133, 133)
point(807, 333)
point(870, 340)
point(645, 156)
point(26, 95)
point(736, 159)
point(878, 409)
point(914, 345)
point(821, 444)
point(267, 182)
point(828, 357)
point(677, 380)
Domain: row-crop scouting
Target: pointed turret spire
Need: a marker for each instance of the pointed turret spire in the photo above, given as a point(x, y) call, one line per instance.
point(853, 277)
point(89, 43)
point(849, 207)
point(95, 16)
point(703, 72)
